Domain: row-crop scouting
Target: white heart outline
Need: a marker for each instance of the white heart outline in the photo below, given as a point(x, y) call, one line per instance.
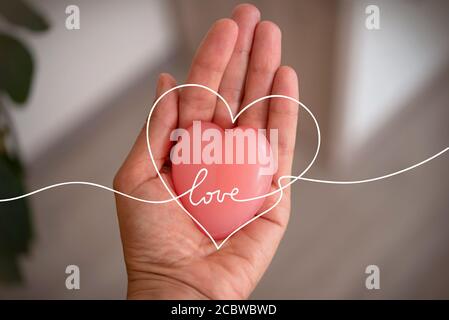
point(233, 120)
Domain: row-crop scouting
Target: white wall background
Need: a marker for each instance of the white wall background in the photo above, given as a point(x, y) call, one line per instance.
point(379, 70)
point(77, 70)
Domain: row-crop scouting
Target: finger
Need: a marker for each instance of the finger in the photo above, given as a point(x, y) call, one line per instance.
point(283, 118)
point(231, 89)
point(163, 121)
point(207, 69)
point(137, 167)
point(265, 60)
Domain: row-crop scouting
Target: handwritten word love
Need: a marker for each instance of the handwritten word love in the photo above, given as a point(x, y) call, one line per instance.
point(206, 199)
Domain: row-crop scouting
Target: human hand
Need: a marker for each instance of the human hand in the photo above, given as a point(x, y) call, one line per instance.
point(166, 255)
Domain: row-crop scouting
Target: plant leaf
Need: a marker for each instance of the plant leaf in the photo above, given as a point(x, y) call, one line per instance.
point(16, 68)
point(20, 13)
point(15, 221)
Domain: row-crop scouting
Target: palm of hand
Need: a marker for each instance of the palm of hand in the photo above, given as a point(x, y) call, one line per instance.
point(167, 256)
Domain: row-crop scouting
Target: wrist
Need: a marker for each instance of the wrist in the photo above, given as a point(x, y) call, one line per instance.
point(157, 287)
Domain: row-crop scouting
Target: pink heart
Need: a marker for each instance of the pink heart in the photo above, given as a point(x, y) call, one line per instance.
point(240, 165)
point(278, 191)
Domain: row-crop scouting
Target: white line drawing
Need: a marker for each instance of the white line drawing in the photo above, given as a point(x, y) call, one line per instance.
point(233, 119)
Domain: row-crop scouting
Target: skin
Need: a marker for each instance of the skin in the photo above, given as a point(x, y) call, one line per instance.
point(166, 255)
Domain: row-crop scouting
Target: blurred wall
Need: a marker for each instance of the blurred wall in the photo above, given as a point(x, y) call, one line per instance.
point(78, 70)
point(377, 71)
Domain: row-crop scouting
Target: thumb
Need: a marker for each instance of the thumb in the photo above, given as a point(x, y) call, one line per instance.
point(137, 167)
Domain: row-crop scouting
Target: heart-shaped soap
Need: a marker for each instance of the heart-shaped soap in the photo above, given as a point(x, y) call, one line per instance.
point(219, 166)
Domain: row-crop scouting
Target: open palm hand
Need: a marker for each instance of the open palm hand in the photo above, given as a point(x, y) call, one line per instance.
point(166, 255)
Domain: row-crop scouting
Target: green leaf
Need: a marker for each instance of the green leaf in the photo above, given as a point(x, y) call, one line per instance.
point(20, 13)
point(16, 68)
point(15, 220)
